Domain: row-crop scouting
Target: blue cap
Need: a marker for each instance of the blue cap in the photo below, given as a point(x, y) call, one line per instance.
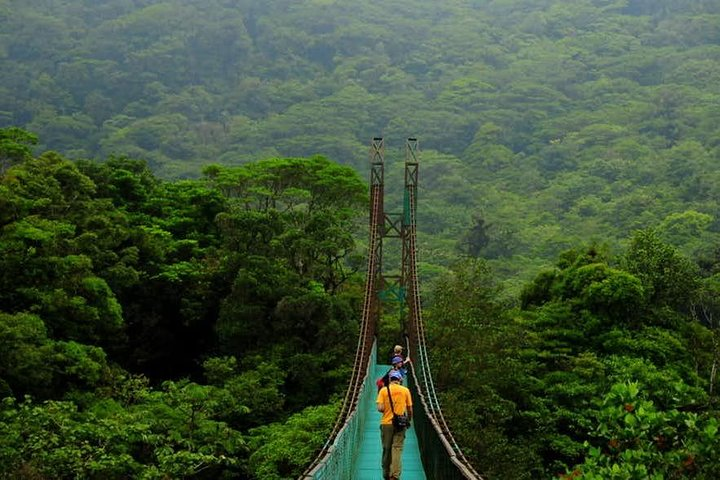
point(395, 374)
point(396, 360)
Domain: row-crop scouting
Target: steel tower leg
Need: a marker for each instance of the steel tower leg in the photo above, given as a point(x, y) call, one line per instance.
point(408, 222)
point(377, 217)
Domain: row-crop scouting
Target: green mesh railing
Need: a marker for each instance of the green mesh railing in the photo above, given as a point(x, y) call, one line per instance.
point(434, 449)
point(338, 463)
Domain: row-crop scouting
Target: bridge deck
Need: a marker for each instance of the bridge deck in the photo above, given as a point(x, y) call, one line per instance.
point(368, 462)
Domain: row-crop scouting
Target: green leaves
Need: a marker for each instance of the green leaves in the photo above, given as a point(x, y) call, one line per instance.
point(597, 331)
point(283, 450)
point(103, 264)
point(169, 433)
point(669, 278)
point(571, 122)
point(636, 440)
point(23, 360)
point(15, 146)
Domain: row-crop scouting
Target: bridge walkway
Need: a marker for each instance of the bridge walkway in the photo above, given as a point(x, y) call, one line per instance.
point(367, 463)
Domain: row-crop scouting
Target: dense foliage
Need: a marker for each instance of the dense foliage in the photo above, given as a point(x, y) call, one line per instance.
point(149, 328)
point(543, 123)
point(202, 327)
point(608, 370)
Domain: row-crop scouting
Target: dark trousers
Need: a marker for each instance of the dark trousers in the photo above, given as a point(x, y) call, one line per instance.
point(392, 445)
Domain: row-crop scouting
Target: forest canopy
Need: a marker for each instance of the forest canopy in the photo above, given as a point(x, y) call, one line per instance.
point(150, 328)
point(181, 202)
point(543, 123)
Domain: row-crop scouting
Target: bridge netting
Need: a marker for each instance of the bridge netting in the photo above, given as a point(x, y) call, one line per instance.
point(442, 457)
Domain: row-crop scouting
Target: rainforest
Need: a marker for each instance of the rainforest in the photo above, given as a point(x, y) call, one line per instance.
point(184, 230)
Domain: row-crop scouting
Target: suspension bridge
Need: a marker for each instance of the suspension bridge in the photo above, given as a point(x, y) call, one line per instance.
point(353, 449)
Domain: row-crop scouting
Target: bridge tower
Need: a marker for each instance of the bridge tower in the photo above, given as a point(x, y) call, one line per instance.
point(442, 457)
point(394, 288)
point(377, 223)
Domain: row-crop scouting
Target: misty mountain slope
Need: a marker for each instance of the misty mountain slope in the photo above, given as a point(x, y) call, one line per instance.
point(552, 122)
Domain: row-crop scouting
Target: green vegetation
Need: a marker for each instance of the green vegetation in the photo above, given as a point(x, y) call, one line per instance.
point(154, 330)
point(547, 123)
point(179, 293)
point(606, 371)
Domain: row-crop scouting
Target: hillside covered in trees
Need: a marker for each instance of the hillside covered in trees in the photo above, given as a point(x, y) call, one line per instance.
point(543, 123)
point(181, 212)
point(203, 329)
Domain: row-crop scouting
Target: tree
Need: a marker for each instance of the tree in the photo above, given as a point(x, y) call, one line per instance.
point(15, 146)
point(283, 450)
point(477, 369)
point(669, 278)
point(172, 432)
point(706, 311)
point(23, 362)
point(477, 238)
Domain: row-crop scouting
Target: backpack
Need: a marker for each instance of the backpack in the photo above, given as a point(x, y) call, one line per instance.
point(383, 381)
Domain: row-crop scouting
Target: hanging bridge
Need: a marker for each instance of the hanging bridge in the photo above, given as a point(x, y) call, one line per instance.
point(353, 449)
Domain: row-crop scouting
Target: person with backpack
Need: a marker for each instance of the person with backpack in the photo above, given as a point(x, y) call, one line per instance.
point(395, 404)
point(397, 365)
